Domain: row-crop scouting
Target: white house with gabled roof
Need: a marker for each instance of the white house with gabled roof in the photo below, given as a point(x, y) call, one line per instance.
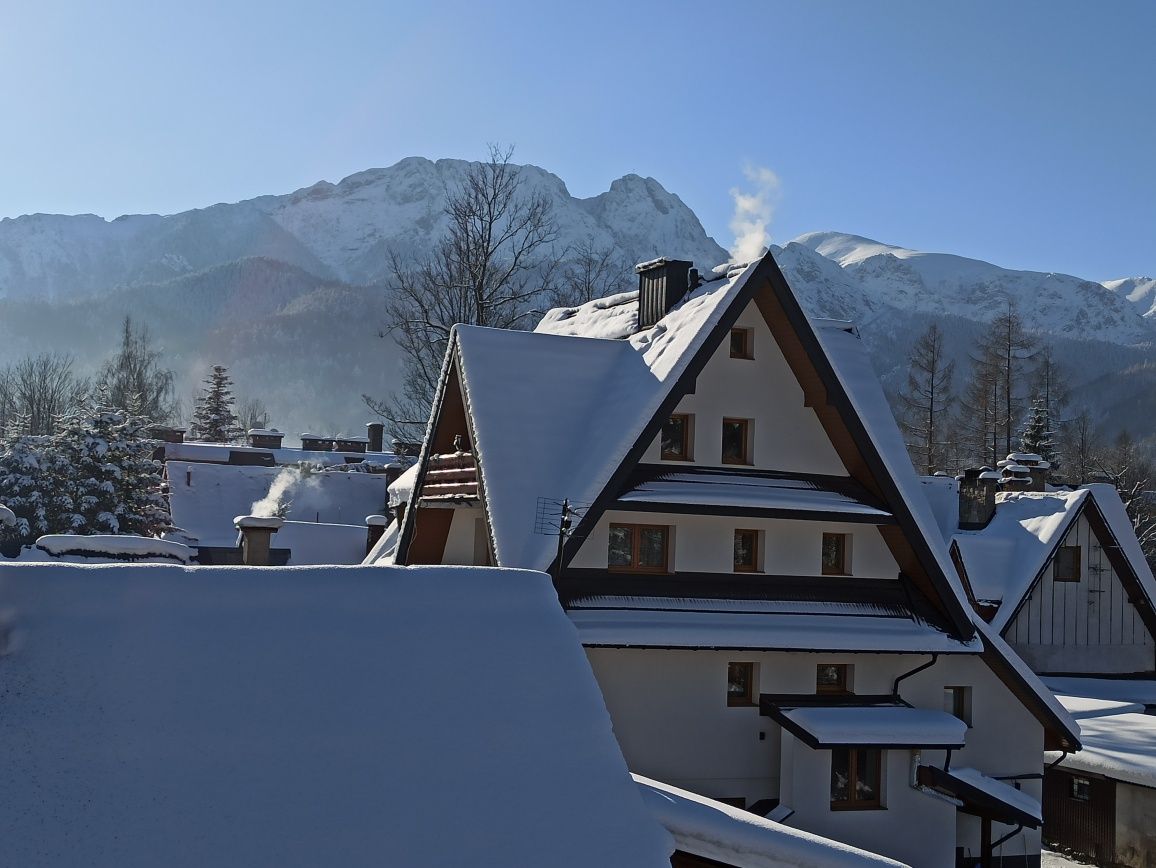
point(720, 492)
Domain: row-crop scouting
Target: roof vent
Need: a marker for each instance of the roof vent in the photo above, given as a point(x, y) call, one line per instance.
point(662, 283)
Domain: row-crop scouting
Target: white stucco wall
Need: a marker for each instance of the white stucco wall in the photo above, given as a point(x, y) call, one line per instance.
point(672, 721)
point(1084, 626)
point(785, 435)
point(704, 543)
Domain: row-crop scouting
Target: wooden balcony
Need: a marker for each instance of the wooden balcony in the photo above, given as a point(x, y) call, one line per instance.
point(450, 479)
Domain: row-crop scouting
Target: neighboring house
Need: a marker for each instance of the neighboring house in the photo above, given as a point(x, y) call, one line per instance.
point(719, 489)
point(1059, 574)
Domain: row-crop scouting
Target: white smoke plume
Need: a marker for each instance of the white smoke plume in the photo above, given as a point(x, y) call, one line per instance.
point(277, 502)
point(753, 213)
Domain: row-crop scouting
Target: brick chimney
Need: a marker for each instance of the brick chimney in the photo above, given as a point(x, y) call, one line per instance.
point(375, 432)
point(977, 488)
point(256, 537)
point(662, 283)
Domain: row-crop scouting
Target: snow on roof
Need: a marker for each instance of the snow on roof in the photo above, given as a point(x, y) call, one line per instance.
point(1000, 790)
point(219, 453)
point(853, 368)
point(114, 547)
point(204, 498)
point(1004, 558)
point(614, 317)
point(942, 494)
point(1120, 746)
point(890, 725)
point(532, 396)
point(1083, 707)
point(737, 490)
point(311, 543)
point(402, 487)
point(383, 550)
point(1120, 689)
point(166, 722)
point(791, 631)
point(732, 836)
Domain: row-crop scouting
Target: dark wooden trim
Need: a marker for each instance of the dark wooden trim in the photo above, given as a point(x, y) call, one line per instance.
point(752, 512)
point(976, 802)
point(578, 582)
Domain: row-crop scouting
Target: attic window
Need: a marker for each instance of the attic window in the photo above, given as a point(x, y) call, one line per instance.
point(638, 548)
point(676, 438)
point(742, 343)
point(746, 551)
point(1067, 564)
point(836, 554)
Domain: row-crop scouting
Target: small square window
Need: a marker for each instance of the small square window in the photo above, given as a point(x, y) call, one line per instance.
point(833, 678)
point(957, 701)
point(742, 344)
point(640, 548)
point(676, 438)
point(736, 441)
point(746, 551)
point(836, 560)
point(740, 684)
point(1066, 566)
point(1081, 789)
point(856, 779)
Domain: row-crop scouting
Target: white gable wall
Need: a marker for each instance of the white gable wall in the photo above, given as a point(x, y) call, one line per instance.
point(705, 544)
point(1085, 626)
point(784, 434)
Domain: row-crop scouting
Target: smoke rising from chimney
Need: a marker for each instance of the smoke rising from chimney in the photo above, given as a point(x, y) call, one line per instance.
point(753, 213)
point(285, 484)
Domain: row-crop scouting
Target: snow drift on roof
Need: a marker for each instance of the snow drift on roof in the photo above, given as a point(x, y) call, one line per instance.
point(1120, 689)
point(304, 717)
point(712, 830)
point(613, 317)
point(533, 395)
point(1084, 707)
point(1120, 746)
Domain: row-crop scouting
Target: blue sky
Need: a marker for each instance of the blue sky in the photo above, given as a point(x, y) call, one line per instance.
point(1022, 133)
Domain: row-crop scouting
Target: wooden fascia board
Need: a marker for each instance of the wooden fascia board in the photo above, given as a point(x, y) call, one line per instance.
point(859, 453)
point(450, 367)
point(684, 385)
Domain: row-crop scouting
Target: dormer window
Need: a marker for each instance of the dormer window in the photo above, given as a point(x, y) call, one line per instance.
point(677, 438)
point(742, 344)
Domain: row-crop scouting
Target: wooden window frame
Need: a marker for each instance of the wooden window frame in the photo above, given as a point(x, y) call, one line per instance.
point(746, 456)
point(756, 552)
point(635, 548)
point(748, 699)
point(961, 697)
point(687, 439)
point(854, 804)
point(842, 688)
point(1075, 783)
point(748, 343)
point(1076, 575)
point(844, 566)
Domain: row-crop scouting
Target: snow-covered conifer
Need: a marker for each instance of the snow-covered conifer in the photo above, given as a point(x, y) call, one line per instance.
point(214, 418)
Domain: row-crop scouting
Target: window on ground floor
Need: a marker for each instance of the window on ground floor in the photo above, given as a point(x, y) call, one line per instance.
point(856, 778)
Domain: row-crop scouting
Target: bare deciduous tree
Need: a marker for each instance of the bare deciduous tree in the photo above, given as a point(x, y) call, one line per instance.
point(134, 380)
point(38, 390)
point(589, 271)
point(495, 261)
point(926, 400)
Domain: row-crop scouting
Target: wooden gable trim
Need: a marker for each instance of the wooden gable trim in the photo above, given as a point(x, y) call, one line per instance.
point(1129, 578)
point(450, 386)
point(805, 355)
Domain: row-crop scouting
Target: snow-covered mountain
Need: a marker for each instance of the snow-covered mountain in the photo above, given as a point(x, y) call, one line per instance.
point(342, 231)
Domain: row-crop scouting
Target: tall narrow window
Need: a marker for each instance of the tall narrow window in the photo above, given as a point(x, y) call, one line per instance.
point(741, 344)
point(736, 441)
point(856, 778)
point(836, 557)
point(676, 438)
point(640, 548)
point(740, 684)
point(1066, 567)
point(746, 551)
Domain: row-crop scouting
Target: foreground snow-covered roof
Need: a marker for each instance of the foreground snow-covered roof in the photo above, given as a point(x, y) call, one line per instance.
point(712, 830)
point(306, 716)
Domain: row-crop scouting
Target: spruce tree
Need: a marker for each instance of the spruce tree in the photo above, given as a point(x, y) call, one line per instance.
point(214, 418)
point(1037, 436)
